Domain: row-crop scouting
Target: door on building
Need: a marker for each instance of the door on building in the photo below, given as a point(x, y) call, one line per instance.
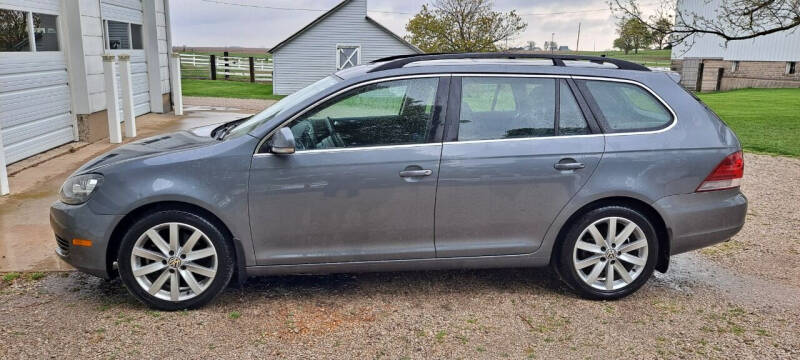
point(699, 84)
point(35, 110)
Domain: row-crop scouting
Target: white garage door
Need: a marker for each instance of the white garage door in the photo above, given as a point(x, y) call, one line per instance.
point(34, 93)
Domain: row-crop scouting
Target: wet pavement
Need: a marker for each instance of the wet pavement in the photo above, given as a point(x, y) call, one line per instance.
point(26, 240)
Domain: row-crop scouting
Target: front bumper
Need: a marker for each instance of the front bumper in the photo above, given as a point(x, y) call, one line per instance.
point(702, 219)
point(79, 222)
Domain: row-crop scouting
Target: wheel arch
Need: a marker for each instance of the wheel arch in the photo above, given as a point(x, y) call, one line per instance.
point(128, 220)
point(662, 231)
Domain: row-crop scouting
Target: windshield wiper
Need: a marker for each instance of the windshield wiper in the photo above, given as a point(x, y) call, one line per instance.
point(220, 132)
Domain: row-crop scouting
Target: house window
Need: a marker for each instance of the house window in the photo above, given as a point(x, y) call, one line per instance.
point(122, 35)
point(347, 56)
point(735, 66)
point(22, 31)
point(791, 67)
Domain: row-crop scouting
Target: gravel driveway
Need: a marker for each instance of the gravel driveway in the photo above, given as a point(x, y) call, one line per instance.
point(739, 299)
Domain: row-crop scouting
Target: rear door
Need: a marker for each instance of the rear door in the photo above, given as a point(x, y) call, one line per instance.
point(516, 149)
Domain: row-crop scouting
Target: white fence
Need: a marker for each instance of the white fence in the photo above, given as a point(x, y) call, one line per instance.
point(195, 66)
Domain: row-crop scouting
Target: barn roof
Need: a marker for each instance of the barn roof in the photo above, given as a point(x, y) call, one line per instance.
point(329, 13)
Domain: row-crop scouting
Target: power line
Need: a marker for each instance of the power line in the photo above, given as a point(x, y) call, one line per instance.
point(394, 12)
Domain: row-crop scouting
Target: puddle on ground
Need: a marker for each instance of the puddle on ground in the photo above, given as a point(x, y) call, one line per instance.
point(689, 269)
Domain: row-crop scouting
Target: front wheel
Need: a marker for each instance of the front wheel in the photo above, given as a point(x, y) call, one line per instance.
point(608, 253)
point(172, 260)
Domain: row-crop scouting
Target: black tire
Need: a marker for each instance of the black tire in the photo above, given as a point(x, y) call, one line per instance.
point(565, 260)
point(224, 258)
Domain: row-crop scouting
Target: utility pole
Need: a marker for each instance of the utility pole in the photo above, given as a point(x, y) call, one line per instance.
point(578, 43)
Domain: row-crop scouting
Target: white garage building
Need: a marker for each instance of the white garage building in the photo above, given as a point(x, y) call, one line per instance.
point(51, 68)
point(340, 38)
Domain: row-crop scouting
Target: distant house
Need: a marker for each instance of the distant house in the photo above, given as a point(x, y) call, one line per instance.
point(564, 48)
point(706, 63)
point(342, 37)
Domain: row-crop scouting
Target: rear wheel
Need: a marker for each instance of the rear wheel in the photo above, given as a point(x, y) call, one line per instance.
point(608, 253)
point(173, 260)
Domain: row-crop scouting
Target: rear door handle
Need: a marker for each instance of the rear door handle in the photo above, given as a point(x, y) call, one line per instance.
point(415, 173)
point(573, 165)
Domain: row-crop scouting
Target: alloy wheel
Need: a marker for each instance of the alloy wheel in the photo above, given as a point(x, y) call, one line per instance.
point(174, 261)
point(610, 253)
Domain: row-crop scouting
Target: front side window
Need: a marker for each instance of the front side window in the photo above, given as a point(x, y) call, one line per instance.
point(627, 107)
point(14, 31)
point(504, 108)
point(388, 113)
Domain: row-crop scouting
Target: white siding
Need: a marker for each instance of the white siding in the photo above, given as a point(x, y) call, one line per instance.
point(783, 46)
point(163, 47)
point(129, 11)
point(43, 6)
point(312, 55)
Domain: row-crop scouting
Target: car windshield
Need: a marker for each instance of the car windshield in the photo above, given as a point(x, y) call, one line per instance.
point(282, 106)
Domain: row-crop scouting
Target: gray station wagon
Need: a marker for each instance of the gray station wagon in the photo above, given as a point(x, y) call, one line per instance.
point(597, 167)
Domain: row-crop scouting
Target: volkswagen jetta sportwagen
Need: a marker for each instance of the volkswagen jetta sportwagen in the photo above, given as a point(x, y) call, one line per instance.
point(597, 167)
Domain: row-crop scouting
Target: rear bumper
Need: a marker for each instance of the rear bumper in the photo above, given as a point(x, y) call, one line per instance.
point(702, 219)
point(79, 222)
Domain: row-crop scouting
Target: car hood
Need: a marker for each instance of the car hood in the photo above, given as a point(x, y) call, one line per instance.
point(153, 146)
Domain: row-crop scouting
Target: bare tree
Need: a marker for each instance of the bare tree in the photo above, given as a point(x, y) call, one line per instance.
point(734, 19)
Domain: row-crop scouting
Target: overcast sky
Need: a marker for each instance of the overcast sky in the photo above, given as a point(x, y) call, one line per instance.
point(202, 23)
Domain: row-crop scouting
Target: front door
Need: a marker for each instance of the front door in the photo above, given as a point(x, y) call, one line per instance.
point(362, 184)
point(520, 148)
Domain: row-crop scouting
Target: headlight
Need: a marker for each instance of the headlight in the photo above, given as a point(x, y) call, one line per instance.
point(77, 189)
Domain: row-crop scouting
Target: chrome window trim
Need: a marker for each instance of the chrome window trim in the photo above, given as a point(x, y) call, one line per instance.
point(403, 77)
point(333, 150)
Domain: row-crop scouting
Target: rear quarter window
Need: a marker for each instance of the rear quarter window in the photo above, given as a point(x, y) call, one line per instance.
point(626, 107)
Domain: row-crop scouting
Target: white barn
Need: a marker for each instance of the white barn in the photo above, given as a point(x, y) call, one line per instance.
point(51, 69)
point(342, 37)
point(707, 63)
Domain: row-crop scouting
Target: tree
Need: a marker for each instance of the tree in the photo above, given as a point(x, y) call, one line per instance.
point(635, 33)
point(462, 26)
point(661, 32)
point(623, 44)
point(733, 20)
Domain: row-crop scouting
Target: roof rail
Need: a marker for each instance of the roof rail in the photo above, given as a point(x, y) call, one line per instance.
point(396, 62)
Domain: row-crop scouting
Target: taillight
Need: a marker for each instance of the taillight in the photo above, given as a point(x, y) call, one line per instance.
point(727, 175)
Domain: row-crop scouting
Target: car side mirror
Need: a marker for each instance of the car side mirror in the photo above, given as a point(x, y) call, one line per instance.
point(282, 142)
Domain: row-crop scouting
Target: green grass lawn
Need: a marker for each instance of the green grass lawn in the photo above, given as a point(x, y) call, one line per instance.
point(660, 58)
point(765, 120)
point(228, 89)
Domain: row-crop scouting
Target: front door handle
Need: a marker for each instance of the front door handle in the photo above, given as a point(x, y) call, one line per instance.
point(569, 164)
point(415, 173)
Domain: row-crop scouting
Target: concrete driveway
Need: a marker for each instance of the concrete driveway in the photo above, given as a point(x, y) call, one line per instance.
point(26, 240)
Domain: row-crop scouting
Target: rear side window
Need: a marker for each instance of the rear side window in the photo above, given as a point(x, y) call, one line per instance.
point(505, 108)
point(494, 108)
point(627, 107)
